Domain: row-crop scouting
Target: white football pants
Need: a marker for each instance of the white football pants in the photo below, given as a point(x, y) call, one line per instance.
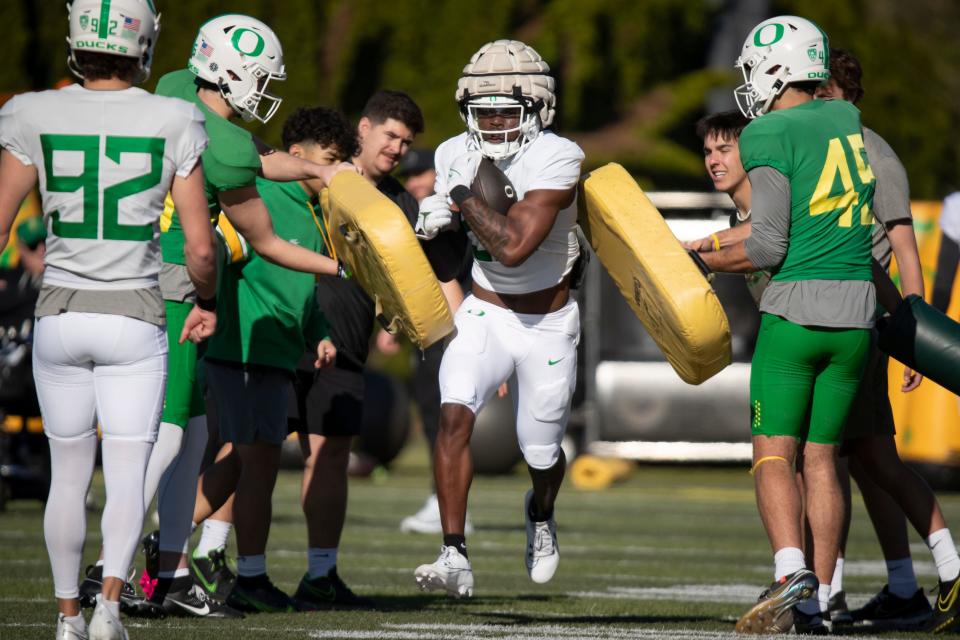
point(491, 344)
point(90, 365)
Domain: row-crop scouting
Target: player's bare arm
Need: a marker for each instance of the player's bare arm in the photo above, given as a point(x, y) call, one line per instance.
point(732, 259)
point(199, 249)
point(16, 180)
point(513, 238)
point(283, 167)
point(246, 211)
point(720, 239)
point(903, 241)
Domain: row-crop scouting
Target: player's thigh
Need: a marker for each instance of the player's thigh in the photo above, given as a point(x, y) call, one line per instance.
point(130, 380)
point(182, 399)
point(476, 361)
point(781, 378)
point(837, 383)
point(64, 382)
point(545, 381)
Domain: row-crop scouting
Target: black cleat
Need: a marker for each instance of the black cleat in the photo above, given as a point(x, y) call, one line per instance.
point(92, 585)
point(327, 592)
point(887, 611)
point(806, 624)
point(258, 595)
point(946, 612)
point(212, 573)
point(837, 612)
point(769, 615)
point(193, 601)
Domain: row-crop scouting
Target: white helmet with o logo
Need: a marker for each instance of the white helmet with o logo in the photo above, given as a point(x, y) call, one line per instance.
point(240, 55)
point(778, 52)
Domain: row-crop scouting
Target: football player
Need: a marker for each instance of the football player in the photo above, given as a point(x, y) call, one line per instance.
point(520, 321)
point(890, 489)
point(818, 308)
point(233, 61)
point(106, 154)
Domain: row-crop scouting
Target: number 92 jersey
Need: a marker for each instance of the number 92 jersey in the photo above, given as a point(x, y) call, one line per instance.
point(105, 162)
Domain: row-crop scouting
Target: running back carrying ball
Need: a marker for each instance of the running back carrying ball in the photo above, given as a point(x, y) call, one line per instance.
point(493, 187)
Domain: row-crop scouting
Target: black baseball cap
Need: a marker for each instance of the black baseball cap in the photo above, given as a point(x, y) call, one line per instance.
point(415, 161)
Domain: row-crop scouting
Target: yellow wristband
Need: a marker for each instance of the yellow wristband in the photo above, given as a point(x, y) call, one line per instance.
point(716, 241)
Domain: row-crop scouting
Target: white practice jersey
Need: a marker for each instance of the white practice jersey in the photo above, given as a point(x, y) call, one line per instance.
point(547, 162)
point(105, 162)
point(950, 217)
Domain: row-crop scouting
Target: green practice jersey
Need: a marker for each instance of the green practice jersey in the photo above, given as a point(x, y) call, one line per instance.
point(266, 314)
point(818, 146)
point(230, 161)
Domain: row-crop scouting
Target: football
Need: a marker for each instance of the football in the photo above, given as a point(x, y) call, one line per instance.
point(493, 187)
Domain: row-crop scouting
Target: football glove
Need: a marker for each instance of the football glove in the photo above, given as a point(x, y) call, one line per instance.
point(435, 215)
point(463, 170)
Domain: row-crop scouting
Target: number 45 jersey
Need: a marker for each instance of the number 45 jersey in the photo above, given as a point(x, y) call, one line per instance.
point(105, 162)
point(818, 146)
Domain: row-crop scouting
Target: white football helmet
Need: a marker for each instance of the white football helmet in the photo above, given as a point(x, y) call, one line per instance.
point(116, 27)
point(240, 55)
point(509, 77)
point(776, 53)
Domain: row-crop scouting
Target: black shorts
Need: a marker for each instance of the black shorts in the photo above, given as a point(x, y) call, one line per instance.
point(871, 414)
point(328, 402)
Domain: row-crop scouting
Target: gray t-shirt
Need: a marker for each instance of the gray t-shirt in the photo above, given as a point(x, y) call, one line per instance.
point(891, 199)
point(816, 303)
point(141, 304)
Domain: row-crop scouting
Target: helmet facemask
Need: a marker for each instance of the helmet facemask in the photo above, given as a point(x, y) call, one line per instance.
point(519, 124)
point(258, 104)
point(755, 96)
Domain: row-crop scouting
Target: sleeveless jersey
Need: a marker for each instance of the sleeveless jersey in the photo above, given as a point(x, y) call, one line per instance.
point(547, 162)
point(819, 147)
point(105, 162)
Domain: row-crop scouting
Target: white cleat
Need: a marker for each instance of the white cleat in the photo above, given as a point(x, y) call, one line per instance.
point(451, 573)
point(427, 519)
point(67, 631)
point(543, 552)
point(104, 626)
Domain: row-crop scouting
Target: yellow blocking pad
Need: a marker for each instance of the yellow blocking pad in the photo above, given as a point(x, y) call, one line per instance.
point(661, 283)
point(372, 235)
point(594, 472)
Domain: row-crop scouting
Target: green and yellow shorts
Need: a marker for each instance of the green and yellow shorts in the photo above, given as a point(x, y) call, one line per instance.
point(803, 379)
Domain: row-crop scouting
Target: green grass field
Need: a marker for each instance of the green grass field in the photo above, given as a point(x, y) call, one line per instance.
point(674, 552)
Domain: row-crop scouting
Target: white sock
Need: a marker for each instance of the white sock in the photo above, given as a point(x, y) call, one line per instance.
point(836, 585)
point(214, 536)
point(944, 554)
point(113, 606)
point(901, 580)
point(320, 561)
point(786, 561)
point(165, 450)
point(252, 565)
point(823, 596)
point(77, 621)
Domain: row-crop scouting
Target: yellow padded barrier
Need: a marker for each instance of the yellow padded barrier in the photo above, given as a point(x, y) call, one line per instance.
point(664, 288)
point(372, 235)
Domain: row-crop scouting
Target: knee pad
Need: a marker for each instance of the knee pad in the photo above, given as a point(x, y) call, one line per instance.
point(541, 456)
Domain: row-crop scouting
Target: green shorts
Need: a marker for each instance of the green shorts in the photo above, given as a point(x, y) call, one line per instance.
point(183, 399)
point(803, 379)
